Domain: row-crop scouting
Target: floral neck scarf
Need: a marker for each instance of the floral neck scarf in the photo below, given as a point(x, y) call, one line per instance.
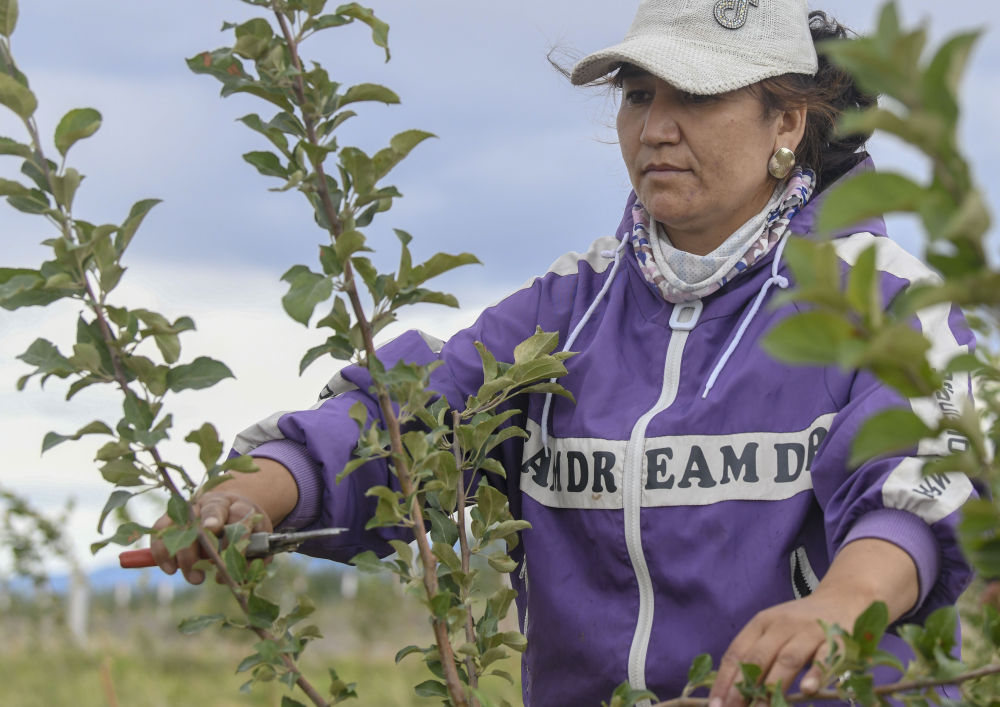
point(680, 276)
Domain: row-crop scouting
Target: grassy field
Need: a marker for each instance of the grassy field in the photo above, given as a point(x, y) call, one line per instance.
point(135, 657)
point(198, 673)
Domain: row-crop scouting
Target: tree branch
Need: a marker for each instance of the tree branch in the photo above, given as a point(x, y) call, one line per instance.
point(463, 544)
point(390, 419)
point(890, 689)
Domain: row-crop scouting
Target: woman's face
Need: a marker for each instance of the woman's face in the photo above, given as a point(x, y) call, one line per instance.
point(699, 163)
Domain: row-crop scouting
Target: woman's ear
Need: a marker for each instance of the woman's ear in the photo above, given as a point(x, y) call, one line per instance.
point(791, 128)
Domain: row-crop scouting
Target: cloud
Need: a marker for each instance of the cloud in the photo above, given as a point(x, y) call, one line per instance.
point(240, 322)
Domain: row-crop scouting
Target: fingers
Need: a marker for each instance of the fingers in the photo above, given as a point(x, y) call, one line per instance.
point(214, 511)
point(159, 550)
point(812, 680)
point(782, 645)
point(723, 693)
point(791, 659)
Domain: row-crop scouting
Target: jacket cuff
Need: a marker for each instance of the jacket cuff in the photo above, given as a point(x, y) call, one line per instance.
point(308, 478)
point(911, 534)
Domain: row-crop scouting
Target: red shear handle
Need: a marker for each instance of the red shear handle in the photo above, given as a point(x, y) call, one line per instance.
point(131, 559)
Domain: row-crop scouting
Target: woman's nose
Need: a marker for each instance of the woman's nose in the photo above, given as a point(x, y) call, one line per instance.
point(660, 125)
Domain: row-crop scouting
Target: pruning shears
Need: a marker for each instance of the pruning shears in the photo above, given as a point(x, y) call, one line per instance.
point(260, 545)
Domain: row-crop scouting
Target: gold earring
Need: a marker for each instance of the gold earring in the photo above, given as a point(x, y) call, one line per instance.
point(781, 163)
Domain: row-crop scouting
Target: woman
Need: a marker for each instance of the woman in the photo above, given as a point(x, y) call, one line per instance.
point(696, 497)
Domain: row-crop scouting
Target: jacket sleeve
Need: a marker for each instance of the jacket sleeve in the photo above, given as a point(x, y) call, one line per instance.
point(315, 444)
point(889, 497)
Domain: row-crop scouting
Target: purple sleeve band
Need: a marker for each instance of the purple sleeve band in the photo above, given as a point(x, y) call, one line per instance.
point(908, 532)
point(308, 477)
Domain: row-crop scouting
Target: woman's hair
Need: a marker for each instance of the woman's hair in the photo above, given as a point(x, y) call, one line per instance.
point(826, 96)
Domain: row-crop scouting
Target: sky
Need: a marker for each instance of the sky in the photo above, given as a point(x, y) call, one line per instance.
point(524, 168)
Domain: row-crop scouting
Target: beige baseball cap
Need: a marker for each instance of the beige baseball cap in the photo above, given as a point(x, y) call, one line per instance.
point(711, 46)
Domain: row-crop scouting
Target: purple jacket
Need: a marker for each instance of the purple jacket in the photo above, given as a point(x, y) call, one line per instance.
point(664, 516)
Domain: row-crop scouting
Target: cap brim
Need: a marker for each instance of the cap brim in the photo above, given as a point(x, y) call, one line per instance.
point(679, 63)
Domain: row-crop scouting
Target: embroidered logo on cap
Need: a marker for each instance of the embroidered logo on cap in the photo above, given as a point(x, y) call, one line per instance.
point(732, 14)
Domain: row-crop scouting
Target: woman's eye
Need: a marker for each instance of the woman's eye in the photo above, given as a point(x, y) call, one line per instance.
point(636, 95)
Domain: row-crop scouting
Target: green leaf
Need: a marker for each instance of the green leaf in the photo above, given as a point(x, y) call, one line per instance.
point(64, 189)
point(380, 30)
point(194, 624)
point(347, 244)
point(701, 668)
point(21, 287)
point(9, 187)
point(360, 167)
point(306, 290)
point(46, 357)
point(515, 640)
point(76, 125)
point(122, 472)
point(209, 444)
point(809, 337)
point(94, 428)
point(443, 528)
point(327, 21)
point(253, 38)
point(8, 17)
point(267, 163)
point(17, 96)
point(537, 344)
point(399, 147)
point(894, 430)
point(262, 612)
point(169, 346)
point(175, 538)
point(943, 76)
point(33, 202)
point(490, 503)
point(117, 499)
point(438, 264)
point(870, 626)
point(863, 286)
point(243, 464)
point(9, 146)
point(126, 534)
point(131, 224)
point(447, 555)
point(431, 688)
point(249, 662)
point(203, 372)
point(403, 652)
point(868, 195)
point(367, 561)
point(369, 92)
point(501, 563)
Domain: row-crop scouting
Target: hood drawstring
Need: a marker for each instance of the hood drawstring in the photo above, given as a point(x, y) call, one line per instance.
point(775, 279)
point(617, 255)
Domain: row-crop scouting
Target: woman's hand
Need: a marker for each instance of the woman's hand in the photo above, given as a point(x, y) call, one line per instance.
point(215, 510)
point(259, 500)
point(783, 640)
point(787, 638)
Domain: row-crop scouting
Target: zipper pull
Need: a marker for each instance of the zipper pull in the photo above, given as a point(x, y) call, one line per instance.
point(685, 315)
